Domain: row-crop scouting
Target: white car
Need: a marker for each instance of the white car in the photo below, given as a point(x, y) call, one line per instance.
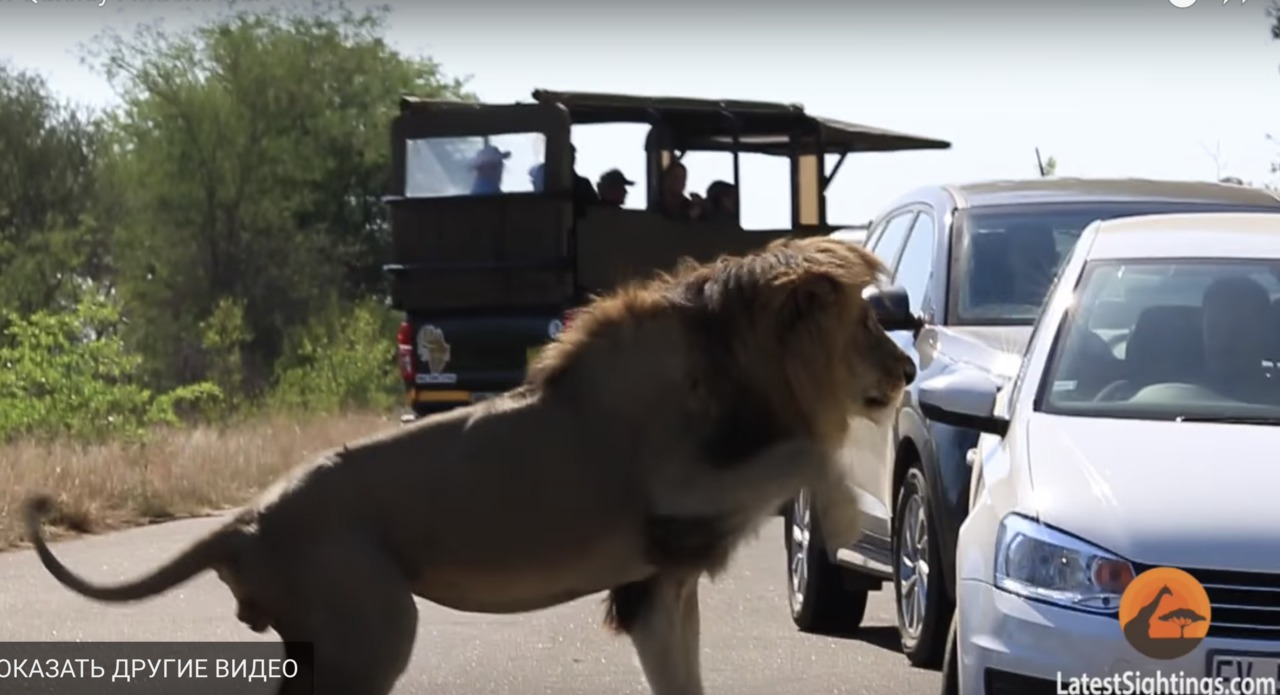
point(1141, 433)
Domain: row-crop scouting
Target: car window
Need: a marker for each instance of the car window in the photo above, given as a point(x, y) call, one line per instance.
point(1011, 259)
point(890, 241)
point(1168, 339)
point(1007, 256)
point(915, 267)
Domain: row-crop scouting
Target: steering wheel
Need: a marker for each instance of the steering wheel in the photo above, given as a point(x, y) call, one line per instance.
point(1111, 392)
point(1175, 392)
point(1161, 391)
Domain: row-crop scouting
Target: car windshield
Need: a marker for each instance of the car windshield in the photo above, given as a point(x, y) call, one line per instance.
point(1006, 257)
point(1170, 340)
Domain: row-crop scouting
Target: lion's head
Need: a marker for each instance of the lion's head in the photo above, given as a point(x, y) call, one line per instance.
point(780, 339)
point(824, 320)
point(807, 334)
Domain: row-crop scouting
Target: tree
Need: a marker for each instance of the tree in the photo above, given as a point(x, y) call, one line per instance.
point(1182, 617)
point(252, 153)
point(49, 240)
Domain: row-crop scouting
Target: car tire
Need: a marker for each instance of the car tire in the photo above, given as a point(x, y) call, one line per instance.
point(920, 597)
point(820, 600)
point(951, 661)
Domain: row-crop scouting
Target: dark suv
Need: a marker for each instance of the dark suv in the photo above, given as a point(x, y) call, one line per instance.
point(976, 261)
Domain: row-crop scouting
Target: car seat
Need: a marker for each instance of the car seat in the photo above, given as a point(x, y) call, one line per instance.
point(1164, 346)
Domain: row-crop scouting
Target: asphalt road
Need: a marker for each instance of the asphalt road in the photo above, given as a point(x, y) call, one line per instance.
point(750, 646)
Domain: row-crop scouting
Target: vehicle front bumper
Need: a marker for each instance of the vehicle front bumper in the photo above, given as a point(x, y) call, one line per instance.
point(1008, 645)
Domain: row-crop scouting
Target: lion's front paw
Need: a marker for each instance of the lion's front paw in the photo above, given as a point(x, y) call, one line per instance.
point(839, 515)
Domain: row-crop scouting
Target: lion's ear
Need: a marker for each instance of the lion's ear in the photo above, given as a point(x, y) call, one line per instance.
point(810, 294)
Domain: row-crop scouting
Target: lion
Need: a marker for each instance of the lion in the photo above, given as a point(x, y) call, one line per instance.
point(663, 426)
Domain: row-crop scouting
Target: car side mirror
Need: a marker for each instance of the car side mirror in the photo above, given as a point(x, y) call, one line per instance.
point(964, 398)
point(892, 307)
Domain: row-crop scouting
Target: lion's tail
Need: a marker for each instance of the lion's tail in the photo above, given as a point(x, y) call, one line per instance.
point(207, 553)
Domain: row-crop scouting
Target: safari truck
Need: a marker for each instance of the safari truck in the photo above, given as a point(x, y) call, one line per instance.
point(494, 245)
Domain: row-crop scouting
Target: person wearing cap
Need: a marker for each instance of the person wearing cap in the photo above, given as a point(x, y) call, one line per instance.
point(488, 164)
point(612, 187)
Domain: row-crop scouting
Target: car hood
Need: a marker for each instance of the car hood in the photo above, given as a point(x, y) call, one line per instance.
point(1160, 493)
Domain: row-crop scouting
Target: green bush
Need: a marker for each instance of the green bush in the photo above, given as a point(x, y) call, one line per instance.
point(344, 358)
point(70, 374)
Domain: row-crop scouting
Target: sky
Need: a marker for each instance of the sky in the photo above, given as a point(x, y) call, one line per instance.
point(1120, 88)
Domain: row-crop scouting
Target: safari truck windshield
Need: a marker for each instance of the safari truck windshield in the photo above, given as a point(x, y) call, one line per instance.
point(497, 237)
point(445, 167)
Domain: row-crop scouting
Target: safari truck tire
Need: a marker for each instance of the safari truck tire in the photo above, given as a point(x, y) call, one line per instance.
point(820, 599)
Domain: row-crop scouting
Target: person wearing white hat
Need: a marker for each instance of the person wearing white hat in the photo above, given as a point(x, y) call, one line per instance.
point(489, 163)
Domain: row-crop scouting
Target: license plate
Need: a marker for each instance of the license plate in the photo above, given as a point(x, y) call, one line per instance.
point(426, 396)
point(1237, 665)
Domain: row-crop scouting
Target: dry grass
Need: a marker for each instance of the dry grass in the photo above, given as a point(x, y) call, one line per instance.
point(178, 474)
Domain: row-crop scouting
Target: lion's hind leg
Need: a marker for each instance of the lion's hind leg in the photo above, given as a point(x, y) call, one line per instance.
point(660, 615)
point(357, 611)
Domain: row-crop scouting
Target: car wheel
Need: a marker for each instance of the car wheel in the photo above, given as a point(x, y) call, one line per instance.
point(951, 662)
point(917, 580)
point(820, 600)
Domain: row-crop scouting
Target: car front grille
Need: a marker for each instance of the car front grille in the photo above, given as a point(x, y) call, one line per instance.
point(1246, 605)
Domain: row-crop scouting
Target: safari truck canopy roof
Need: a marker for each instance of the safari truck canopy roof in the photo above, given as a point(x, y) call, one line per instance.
point(708, 124)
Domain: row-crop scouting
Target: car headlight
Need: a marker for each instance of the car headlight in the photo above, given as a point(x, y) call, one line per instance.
point(1038, 562)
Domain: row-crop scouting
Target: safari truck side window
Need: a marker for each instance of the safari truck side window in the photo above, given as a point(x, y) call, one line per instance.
point(472, 165)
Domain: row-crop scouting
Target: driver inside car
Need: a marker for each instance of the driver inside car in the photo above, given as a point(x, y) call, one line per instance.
point(1239, 335)
point(1033, 261)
